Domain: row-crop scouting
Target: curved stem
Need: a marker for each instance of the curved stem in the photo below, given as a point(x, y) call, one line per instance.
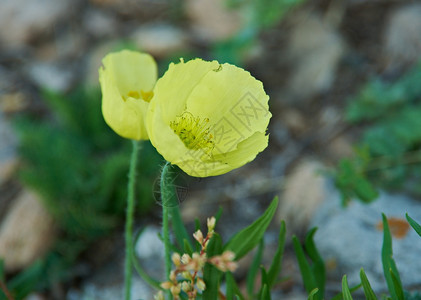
point(129, 221)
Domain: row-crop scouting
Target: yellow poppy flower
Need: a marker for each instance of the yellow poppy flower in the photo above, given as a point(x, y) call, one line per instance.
point(208, 118)
point(127, 79)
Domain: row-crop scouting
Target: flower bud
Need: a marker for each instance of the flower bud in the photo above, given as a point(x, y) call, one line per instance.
point(176, 259)
point(159, 296)
point(185, 259)
point(211, 224)
point(198, 236)
point(200, 284)
point(166, 285)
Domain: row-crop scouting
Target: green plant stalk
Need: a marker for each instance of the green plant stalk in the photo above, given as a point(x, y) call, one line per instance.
point(166, 197)
point(128, 270)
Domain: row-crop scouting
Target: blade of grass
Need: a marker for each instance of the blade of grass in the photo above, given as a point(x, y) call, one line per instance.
point(275, 267)
point(345, 289)
point(415, 225)
point(339, 296)
point(311, 295)
point(245, 240)
point(389, 265)
point(254, 269)
point(398, 286)
point(232, 288)
point(142, 273)
point(368, 291)
point(305, 269)
point(318, 267)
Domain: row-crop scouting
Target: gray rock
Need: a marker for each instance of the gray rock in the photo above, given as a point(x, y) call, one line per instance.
point(26, 233)
point(150, 250)
point(350, 238)
point(52, 76)
point(315, 49)
point(402, 43)
point(23, 20)
point(100, 24)
point(302, 195)
point(160, 39)
point(90, 291)
point(211, 20)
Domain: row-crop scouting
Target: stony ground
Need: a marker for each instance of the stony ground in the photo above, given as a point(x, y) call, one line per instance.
point(310, 63)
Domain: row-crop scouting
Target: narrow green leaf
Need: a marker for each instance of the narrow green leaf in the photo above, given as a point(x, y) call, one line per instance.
point(275, 267)
point(180, 231)
point(218, 214)
point(264, 283)
point(232, 288)
point(145, 276)
point(389, 265)
point(265, 295)
point(397, 285)
point(415, 225)
point(211, 275)
point(187, 248)
point(311, 295)
point(25, 282)
point(249, 237)
point(368, 291)
point(345, 289)
point(339, 296)
point(318, 267)
point(305, 269)
point(254, 269)
point(142, 273)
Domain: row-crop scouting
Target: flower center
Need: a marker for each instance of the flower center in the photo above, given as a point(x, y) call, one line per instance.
point(146, 96)
point(193, 132)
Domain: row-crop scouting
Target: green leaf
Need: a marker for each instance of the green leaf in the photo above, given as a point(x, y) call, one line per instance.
point(180, 231)
point(311, 295)
point(345, 289)
point(232, 288)
point(389, 267)
point(397, 285)
point(25, 282)
point(245, 240)
point(415, 225)
point(339, 296)
point(218, 214)
point(187, 248)
point(263, 283)
point(254, 269)
point(368, 291)
point(142, 273)
point(265, 295)
point(211, 275)
point(309, 281)
point(275, 267)
point(318, 267)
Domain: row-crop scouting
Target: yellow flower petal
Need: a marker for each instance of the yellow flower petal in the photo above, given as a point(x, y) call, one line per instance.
point(127, 80)
point(178, 83)
point(208, 118)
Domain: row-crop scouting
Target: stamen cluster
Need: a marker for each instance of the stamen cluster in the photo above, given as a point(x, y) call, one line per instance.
point(193, 131)
point(188, 267)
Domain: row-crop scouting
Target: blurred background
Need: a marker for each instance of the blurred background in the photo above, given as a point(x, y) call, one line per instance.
point(344, 81)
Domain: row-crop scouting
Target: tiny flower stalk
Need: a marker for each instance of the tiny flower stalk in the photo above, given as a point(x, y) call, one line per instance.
point(185, 277)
